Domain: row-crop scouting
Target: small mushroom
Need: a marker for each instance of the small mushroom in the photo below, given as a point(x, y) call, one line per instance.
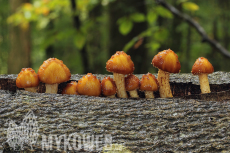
point(108, 87)
point(71, 88)
point(202, 67)
point(120, 64)
point(149, 84)
point(27, 79)
point(132, 84)
point(52, 72)
point(89, 85)
point(167, 62)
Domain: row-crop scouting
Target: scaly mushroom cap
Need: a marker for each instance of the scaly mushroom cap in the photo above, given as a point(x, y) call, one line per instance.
point(120, 63)
point(202, 65)
point(27, 78)
point(53, 71)
point(71, 88)
point(167, 61)
point(148, 82)
point(89, 85)
point(108, 86)
point(132, 82)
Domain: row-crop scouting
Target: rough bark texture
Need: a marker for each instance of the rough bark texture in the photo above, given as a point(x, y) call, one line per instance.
point(143, 125)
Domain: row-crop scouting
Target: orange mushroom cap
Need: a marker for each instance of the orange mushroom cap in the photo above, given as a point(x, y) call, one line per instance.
point(71, 88)
point(148, 82)
point(202, 65)
point(53, 71)
point(27, 78)
point(120, 63)
point(132, 82)
point(89, 85)
point(108, 86)
point(167, 61)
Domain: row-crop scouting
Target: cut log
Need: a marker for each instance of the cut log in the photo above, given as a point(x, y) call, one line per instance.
point(178, 124)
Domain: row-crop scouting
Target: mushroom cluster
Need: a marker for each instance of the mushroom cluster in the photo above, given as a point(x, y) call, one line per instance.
point(124, 83)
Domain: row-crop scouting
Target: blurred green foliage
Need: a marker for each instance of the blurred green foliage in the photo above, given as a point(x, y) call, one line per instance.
point(53, 32)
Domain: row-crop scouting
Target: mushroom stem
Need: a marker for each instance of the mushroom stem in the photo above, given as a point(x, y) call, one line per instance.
point(120, 83)
point(52, 88)
point(149, 94)
point(112, 96)
point(163, 79)
point(133, 93)
point(204, 83)
point(31, 89)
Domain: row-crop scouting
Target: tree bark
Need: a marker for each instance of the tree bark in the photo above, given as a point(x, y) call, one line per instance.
point(20, 43)
point(119, 9)
point(142, 125)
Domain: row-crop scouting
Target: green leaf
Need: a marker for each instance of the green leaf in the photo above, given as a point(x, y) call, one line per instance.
point(190, 6)
point(125, 27)
point(43, 23)
point(164, 12)
point(161, 35)
point(155, 46)
point(121, 20)
point(138, 17)
point(79, 40)
point(151, 17)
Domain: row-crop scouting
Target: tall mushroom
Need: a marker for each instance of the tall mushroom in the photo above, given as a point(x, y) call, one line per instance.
point(52, 72)
point(167, 62)
point(202, 67)
point(70, 89)
point(149, 84)
point(120, 64)
point(108, 87)
point(89, 85)
point(132, 84)
point(27, 79)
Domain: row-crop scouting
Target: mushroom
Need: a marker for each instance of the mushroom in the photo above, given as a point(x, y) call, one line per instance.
point(89, 85)
point(149, 84)
point(120, 64)
point(52, 72)
point(167, 62)
point(27, 79)
point(132, 83)
point(202, 67)
point(71, 88)
point(108, 87)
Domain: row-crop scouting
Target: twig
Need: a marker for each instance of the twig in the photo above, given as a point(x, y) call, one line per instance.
point(197, 26)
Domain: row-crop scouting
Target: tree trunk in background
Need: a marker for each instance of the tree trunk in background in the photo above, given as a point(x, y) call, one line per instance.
point(20, 44)
point(95, 46)
point(50, 49)
point(77, 25)
point(118, 9)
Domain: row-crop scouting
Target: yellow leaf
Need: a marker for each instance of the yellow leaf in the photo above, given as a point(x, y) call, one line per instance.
point(190, 6)
point(45, 10)
point(28, 6)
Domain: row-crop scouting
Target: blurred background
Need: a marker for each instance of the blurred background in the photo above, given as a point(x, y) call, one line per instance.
point(85, 33)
